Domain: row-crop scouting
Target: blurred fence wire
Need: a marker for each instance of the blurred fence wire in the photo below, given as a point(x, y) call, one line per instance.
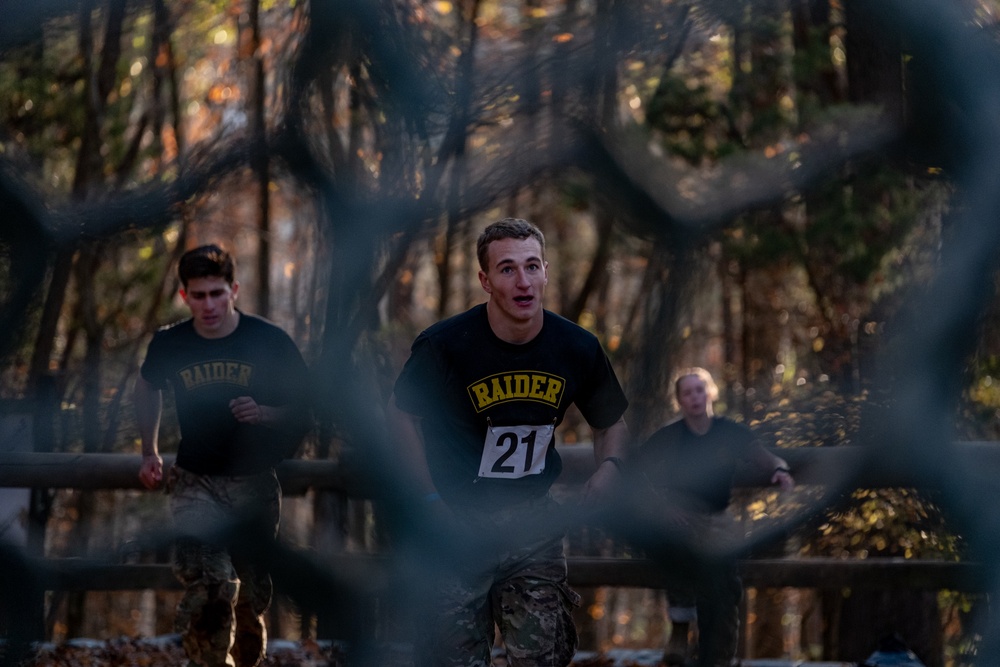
point(921, 368)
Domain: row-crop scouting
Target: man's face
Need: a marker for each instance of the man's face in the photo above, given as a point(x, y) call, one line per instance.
point(212, 301)
point(692, 396)
point(515, 278)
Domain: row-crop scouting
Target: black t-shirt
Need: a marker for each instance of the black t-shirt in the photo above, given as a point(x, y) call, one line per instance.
point(470, 388)
point(696, 471)
point(258, 360)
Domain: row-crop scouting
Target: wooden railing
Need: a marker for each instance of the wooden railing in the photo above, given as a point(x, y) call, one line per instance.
point(817, 573)
point(866, 468)
point(817, 466)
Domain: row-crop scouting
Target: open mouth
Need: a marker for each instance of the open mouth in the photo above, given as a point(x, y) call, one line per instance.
point(523, 299)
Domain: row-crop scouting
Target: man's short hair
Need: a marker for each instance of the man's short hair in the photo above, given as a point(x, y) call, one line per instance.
point(207, 261)
point(508, 228)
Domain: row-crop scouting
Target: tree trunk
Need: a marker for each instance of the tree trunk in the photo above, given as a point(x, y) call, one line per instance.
point(811, 39)
point(62, 269)
point(874, 61)
point(726, 269)
point(260, 164)
point(744, 337)
point(672, 277)
point(90, 259)
point(100, 81)
point(458, 133)
point(598, 265)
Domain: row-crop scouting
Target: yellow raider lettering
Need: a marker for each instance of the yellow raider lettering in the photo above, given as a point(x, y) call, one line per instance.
point(216, 372)
point(498, 393)
point(519, 385)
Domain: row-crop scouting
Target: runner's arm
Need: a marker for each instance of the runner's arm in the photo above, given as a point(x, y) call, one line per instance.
point(148, 402)
point(404, 428)
point(610, 448)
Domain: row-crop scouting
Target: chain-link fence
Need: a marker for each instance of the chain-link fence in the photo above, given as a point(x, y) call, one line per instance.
point(367, 231)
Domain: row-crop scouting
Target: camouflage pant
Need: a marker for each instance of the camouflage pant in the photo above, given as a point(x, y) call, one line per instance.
point(523, 591)
point(226, 593)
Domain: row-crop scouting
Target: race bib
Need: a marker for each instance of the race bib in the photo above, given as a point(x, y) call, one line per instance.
point(515, 451)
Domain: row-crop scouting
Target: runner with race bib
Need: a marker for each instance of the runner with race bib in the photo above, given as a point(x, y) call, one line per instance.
point(475, 410)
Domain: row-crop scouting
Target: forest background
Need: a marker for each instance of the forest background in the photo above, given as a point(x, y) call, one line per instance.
point(795, 194)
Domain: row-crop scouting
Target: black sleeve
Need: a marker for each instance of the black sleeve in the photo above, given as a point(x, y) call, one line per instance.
point(603, 402)
point(152, 369)
point(293, 385)
point(418, 381)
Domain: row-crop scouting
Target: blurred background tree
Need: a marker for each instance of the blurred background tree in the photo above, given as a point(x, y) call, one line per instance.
point(759, 187)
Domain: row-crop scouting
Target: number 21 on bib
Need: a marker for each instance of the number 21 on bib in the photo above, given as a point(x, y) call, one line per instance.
point(515, 451)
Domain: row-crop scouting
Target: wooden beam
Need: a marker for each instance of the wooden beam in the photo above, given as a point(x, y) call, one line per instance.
point(121, 471)
point(819, 573)
point(853, 465)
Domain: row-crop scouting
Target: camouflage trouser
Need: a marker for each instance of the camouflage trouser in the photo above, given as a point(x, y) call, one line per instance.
point(226, 593)
point(523, 591)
